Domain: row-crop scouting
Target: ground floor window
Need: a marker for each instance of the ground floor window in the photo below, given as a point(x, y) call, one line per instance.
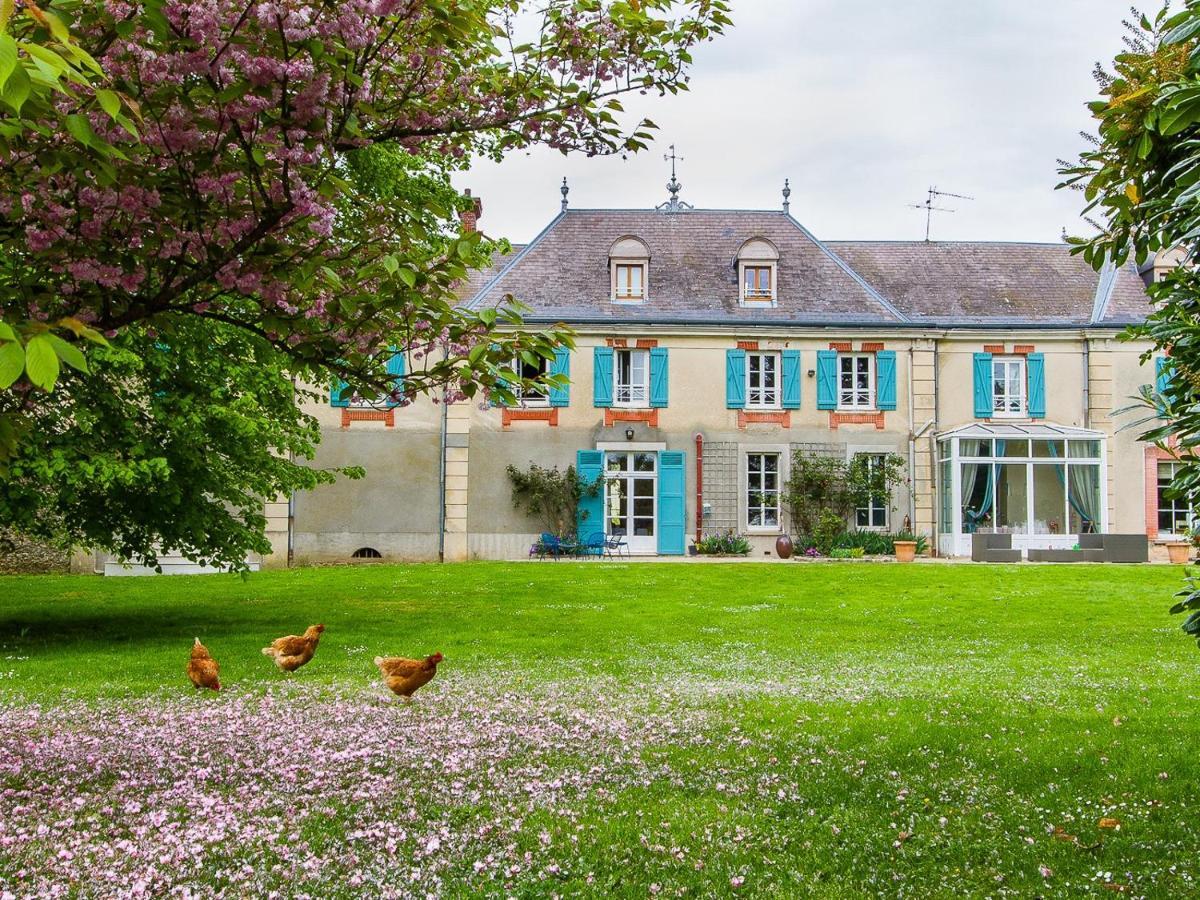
point(1175, 514)
point(631, 499)
point(874, 514)
point(762, 490)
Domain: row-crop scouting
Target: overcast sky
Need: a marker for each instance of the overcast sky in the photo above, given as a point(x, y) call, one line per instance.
point(863, 106)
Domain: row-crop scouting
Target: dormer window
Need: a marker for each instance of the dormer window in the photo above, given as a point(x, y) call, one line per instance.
point(758, 264)
point(629, 266)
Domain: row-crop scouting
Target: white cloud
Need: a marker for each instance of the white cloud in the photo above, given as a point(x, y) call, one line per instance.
point(863, 106)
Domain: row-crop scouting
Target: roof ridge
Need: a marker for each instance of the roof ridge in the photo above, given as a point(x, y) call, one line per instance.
point(845, 267)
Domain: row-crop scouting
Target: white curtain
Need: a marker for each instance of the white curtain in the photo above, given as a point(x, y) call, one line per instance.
point(1084, 495)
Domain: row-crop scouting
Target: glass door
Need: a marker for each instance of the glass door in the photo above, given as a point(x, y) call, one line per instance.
point(631, 499)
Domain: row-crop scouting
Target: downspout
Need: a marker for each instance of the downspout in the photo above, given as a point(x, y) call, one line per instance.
point(1087, 374)
point(442, 482)
point(699, 486)
point(934, 468)
point(912, 443)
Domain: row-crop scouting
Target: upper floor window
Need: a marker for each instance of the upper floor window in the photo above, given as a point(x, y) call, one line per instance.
point(631, 378)
point(758, 263)
point(535, 395)
point(856, 380)
point(630, 283)
point(762, 380)
point(629, 266)
point(1008, 385)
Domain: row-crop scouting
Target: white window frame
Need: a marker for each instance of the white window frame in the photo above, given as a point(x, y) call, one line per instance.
point(638, 395)
point(858, 401)
point(757, 299)
point(777, 491)
point(873, 456)
point(1022, 395)
point(768, 398)
point(1178, 504)
point(532, 400)
point(615, 283)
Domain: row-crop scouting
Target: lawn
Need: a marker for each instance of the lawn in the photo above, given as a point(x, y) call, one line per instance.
point(606, 729)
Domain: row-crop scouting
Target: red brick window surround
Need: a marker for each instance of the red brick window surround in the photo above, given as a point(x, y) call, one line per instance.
point(549, 416)
point(386, 416)
point(1154, 456)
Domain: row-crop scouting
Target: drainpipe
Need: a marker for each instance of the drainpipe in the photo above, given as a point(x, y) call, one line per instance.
point(1087, 373)
point(442, 482)
point(699, 486)
point(934, 468)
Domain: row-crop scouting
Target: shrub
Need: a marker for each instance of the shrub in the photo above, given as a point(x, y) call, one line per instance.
point(551, 495)
point(727, 544)
point(846, 553)
point(830, 526)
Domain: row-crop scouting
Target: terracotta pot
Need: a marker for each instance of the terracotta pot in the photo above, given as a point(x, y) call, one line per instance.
point(906, 551)
point(783, 546)
point(1179, 553)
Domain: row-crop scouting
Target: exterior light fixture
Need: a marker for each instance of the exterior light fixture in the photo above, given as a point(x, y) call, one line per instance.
point(629, 434)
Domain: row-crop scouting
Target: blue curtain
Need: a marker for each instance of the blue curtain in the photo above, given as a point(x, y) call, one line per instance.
point(972, 517)
point(1084, 518)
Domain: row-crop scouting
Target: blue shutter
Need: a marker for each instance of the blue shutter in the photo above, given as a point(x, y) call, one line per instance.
point(589, 465)
point(791, 379)
point(396, 368)
point(735, 379)
point(561, 365)
point(984, 405)
point(602, 377)
point(500, 382)
point(827, 379)
point(885, 379)
point(1035, 367)
point(336, 397)
point(659, 377)
point(672, 481)
point(1162, 373)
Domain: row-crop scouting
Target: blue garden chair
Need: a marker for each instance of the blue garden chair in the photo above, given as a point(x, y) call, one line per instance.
point(595, 545)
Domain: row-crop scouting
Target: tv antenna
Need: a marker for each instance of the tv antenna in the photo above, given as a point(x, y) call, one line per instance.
point(930, 208)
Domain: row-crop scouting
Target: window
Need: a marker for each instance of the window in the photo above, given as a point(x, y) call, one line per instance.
point(875, 513)
point(1174, 513)
point(1008, 385)
point(756, 283)
point(856, 381)
point(631, 378)
point(762, 490)
point(762, 380)
point(630, 282)
point(537, 395)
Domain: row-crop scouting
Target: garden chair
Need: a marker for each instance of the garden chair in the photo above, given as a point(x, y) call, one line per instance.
point(550, 545)
point(615, 546)
point(595, 545)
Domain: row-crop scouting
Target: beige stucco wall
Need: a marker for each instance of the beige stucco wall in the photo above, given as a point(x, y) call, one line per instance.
point(395, 509)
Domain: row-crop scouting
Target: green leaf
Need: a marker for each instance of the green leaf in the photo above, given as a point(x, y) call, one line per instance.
point(16, 90)
point(8, 57)
point(81, 129)
point(6, 332)
point(408, 276)
point(12, 363)
point(41, 362)
point(68, 353)
point(109, 102)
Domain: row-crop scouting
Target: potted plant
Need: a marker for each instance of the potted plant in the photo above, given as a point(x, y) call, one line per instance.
point(1179, 552)
point(906, 546)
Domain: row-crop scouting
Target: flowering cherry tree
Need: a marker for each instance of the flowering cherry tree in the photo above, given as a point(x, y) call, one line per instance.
point(223, 174)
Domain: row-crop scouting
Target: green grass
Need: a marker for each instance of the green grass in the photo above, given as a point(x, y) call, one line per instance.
point(849, 729)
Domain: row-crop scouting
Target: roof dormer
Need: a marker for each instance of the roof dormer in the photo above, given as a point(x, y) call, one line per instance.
point(629, 268)
point(758, 272)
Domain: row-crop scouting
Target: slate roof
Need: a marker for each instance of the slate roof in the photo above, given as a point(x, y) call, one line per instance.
point(480, 277)
point(563, 274)
point(988, 282)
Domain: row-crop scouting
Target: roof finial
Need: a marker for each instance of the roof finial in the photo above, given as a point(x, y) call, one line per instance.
point(564, 190)
point(787, 193)
point(673, 204)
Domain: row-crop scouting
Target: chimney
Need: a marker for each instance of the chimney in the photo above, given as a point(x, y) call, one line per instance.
point(471, 216)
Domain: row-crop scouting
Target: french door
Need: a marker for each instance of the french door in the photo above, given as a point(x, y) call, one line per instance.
point(631, 499)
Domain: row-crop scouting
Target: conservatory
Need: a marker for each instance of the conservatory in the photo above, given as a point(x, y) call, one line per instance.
point(1043, 484)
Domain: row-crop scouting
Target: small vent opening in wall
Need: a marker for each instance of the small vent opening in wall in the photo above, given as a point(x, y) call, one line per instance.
point(366, 553)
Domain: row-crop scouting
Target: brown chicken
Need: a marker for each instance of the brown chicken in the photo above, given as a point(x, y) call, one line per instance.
point(404, 676)
point(202, 669)
point(293, 651)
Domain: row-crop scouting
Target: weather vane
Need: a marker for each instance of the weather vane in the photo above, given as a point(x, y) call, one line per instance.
point(930, 209)
point(674, 204)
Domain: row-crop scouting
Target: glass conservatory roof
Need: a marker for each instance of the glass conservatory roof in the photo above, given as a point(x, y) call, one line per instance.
point(982, 430)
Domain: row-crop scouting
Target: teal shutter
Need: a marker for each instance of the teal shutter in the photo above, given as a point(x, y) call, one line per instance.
point(1035, 368)
point(735, 379)
point(984, 406)
point(602, 377)
point(561, 365)
point(589, 465)
point(826, 379)
point(338, 395)
point(659, 377)
point(500, 382)
point(396, 368)
point(791, 379)
point(1162, 373)
point(885, 379)
point(672, 481)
